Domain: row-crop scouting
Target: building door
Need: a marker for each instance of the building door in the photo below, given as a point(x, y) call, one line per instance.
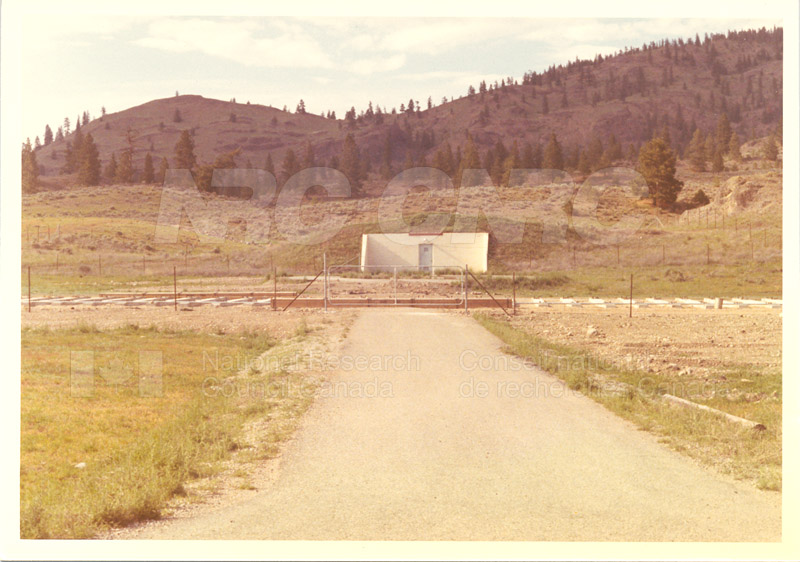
point(425, 257)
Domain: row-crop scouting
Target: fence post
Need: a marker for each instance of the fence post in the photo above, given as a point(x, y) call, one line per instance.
point(99, 265)
point(274, 287)
point(630, 300)
point(29, 288)
point(395, 284)
point(175, 286)
point(466, 288)
point(325, 280)
point(514, 292)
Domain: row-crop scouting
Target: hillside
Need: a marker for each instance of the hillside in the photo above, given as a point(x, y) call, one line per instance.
point(678, 84)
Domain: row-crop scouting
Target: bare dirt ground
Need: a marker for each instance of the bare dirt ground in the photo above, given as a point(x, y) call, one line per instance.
point(699, 342)
point(220, 320)
point(453, 439)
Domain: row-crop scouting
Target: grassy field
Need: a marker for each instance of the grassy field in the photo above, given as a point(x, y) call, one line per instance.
point(693, 281)
point(138, 451)
point(710, 439)
point(88, 240)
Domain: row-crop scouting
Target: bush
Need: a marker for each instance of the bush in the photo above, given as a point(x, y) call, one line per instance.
point(699, 199)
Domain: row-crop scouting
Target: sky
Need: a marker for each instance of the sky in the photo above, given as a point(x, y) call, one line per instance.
point(74, 63)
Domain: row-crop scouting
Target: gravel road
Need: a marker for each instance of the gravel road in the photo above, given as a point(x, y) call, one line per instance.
point(447, 438)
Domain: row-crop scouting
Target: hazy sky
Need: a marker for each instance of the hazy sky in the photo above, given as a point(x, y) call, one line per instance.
point(76, 63)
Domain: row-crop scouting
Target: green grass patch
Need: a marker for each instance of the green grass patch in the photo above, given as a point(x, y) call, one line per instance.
point(728, 447)
point(116, 456)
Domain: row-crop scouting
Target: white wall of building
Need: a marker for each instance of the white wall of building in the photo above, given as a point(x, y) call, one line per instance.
point(449, 250)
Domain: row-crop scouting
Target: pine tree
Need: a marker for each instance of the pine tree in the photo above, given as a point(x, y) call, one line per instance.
point(594, 153)
point(269, 166)
point(512, 162)
point(553, 157)
point(37, 143)
point(308, 157)
point(386, 158)
point(545, 105)
point(717, 164)
point(696, 152)
point(584, 166)
point(351, 165)
point(89, 162)
point(30, 168)
point(176, 116)
point(770, 149)
point(527, 156)
point(72, 153)
point(734, 147)
point(723, 131)
point(111, 169)
point(48, 135)
point(184, 152)
point(657, 165)
point(125, 168)
point(289, 167)
point(149, 172)
point(60, 134)
point(162, 170)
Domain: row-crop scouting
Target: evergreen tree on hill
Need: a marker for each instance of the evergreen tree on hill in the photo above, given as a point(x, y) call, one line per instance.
point(149, 172)
point(89, 170)
point(553, 156)
point(30, 169)
point(162, 170)
point(184, 152)
point(111, 169)
point(351, 164)
point(657, 165)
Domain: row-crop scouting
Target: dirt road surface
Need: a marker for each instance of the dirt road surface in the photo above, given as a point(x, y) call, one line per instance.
point(450, 439)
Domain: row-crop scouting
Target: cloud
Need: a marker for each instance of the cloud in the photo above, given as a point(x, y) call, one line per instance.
point(245, 42)
point(377, 64)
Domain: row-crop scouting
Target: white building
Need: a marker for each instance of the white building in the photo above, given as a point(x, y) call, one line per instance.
point(448, 249)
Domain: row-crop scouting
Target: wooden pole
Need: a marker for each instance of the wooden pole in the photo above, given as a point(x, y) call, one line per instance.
point(99, 265)
point(175, 286)
point(29, 288)
point(514, 292)
point(274, 288)
point(466, 288)
point(325, 281)
point(56, 261)
point(617, 254)
point(144, 264)
point(630, 300)
point(708, 254)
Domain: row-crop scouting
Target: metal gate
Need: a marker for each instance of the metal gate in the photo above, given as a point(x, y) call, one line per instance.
point(395, 285)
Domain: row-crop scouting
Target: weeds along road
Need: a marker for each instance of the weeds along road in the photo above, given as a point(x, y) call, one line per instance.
point(466, 443)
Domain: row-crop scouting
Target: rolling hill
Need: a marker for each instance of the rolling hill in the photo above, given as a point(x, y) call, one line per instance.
point(674, 84)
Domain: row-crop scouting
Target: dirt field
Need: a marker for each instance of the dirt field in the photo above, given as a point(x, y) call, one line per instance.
point(699, 342)
point(202, 319)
